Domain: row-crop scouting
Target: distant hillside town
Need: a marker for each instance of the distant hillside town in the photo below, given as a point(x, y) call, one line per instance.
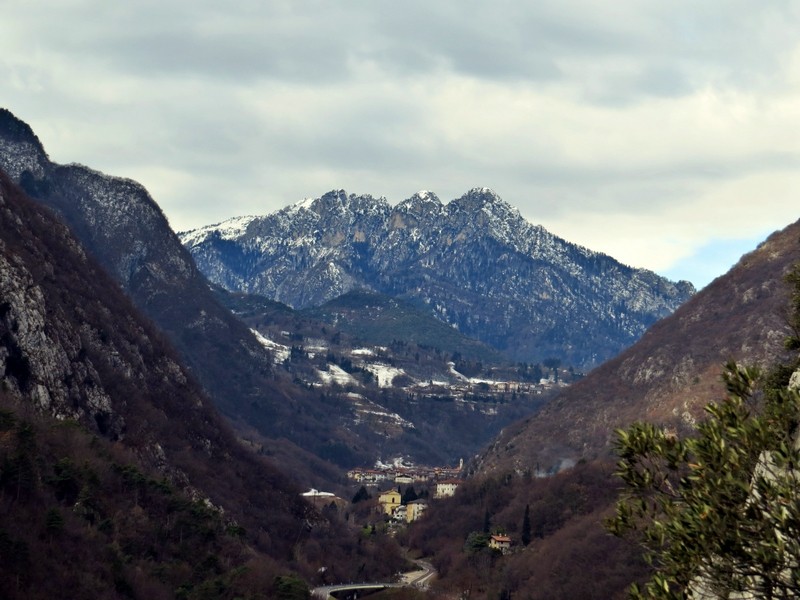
point(404, 474)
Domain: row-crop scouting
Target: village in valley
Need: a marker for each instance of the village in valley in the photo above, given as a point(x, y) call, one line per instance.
point(422, 483)
point(411, 505)
point(388, 497)
point(397, 494)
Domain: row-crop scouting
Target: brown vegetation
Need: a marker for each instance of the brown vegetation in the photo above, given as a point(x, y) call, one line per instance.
point(146, 496)
point(80, 514)
point(671, 373)
point(666, 378)
point(570, 554)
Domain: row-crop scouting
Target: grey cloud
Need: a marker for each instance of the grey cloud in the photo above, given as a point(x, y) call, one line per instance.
point(663, 80)
point(226, 57)
point(321, 42)
point(275, 100)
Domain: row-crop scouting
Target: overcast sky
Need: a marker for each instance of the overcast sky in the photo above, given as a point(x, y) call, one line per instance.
point(666, 134)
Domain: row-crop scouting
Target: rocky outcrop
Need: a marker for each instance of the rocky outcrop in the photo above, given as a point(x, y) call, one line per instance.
point(120, 226)
point(70, 344)
point(44, 363)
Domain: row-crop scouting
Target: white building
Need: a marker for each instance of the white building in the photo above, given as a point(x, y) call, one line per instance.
point(446, 488)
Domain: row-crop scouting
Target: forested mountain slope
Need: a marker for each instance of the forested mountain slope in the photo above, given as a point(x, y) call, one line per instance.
point(117, 476)
point(671, 373)
point(305, 413)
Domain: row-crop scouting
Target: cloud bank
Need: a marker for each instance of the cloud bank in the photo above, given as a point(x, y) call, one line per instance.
point(661, 133)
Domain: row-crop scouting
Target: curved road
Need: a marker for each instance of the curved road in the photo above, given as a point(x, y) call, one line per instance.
point(419, 578)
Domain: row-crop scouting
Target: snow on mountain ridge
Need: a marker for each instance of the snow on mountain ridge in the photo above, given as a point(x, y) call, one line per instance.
point(229, 229)
point(476, 262)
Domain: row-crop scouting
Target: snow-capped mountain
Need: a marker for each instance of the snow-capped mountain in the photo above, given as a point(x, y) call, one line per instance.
point(475, 262)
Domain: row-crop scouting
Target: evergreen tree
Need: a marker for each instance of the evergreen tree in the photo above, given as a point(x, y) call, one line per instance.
point(360, 495)
point(476, 541)
point(718, 513)
point(54, 521)
point(290, 587)
point(526, 526)
point(409, 495)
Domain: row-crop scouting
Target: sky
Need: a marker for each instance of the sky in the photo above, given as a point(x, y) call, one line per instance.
point(665, 134)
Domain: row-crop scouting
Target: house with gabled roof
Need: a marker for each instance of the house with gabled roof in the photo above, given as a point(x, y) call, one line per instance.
point(500, 542)
point(389, 501)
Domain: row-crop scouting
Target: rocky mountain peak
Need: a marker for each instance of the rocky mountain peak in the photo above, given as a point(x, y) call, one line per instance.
point(338, 201)
point(423, 198)
point(421, 206)
point(482, 212)
point(330, 201)
point(482, 205)
point(479, 198)
point(21, 148)
point(340, 213)
point(476, 263)
point(426, 196)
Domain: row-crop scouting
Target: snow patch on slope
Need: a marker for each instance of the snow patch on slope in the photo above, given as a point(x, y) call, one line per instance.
point(384, 373)
point(279, 351)
point(336, 374)
point(366, 410)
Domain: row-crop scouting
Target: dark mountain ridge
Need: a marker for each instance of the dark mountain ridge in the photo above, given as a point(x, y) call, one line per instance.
point(666, 378)
point(76, 348)
point(284, 409)
point(474, 263)
point(107, 444)
point(126, 231)
point(672, 372)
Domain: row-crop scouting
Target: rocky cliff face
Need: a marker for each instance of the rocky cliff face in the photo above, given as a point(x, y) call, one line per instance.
point(113, 463)
point(121, 226)
point(474, 262)
point(46, 345)
point(73, 347)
